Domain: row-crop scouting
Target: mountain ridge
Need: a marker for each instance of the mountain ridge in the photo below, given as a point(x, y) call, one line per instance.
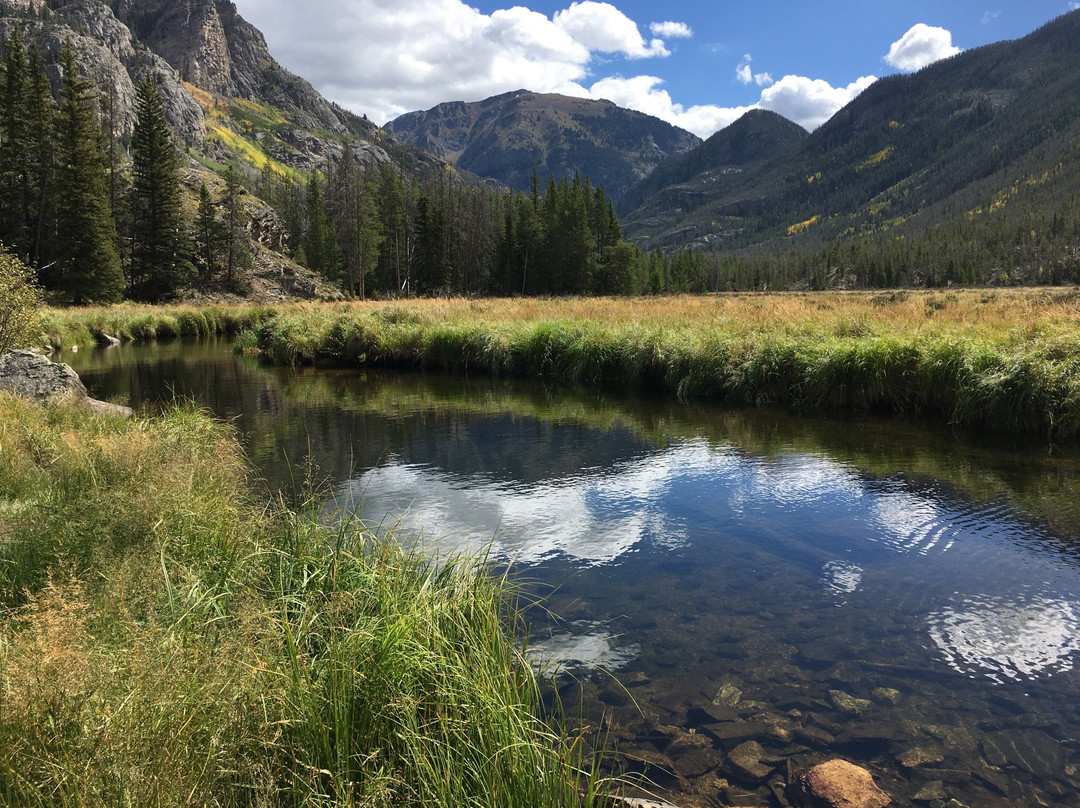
point(909, 152)
point(505, 136)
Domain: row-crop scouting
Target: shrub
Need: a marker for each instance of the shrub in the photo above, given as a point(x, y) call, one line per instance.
point(20, 303)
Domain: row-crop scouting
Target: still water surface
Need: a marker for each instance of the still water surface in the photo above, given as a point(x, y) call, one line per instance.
point(737, 592)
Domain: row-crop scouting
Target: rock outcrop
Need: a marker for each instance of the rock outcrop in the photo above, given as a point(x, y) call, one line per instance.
point(25, 373)
point(203, 57)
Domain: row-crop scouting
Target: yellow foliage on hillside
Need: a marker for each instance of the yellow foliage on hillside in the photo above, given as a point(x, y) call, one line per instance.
point(802, 227)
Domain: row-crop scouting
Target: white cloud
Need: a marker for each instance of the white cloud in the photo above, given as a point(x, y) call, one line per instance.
point(384, 57)
point(807, 102)
point(602, 27)
point(747, 76)
point(671, 30)
point(810, 102)
point(920, 46)
point(644, 94)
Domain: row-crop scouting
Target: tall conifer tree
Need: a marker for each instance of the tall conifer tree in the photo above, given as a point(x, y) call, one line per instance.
point(14, 127)
point(159, 249)
point(208, 236)
point(235, 247)
point(87, 263)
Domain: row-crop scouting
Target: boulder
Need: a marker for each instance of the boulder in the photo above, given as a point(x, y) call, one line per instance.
point(31, 375)
point(840, 784)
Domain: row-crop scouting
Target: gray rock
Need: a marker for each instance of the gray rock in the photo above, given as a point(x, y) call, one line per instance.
point(931, 792)
point(729, 695)
point(638, 802)
point(886, 695)
point(31, 375)
point(846, 703)
point(920, 756)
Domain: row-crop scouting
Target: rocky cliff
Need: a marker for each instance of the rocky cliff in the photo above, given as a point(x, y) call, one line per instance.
point(216, 75)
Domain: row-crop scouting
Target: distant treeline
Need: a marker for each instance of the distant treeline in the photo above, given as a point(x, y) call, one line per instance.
point(378, 233)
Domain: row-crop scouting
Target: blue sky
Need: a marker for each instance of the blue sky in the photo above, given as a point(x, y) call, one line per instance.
point(695, 63)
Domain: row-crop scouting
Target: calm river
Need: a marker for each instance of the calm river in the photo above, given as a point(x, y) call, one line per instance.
point(735, 594)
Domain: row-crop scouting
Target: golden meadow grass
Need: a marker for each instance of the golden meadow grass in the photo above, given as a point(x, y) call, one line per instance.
point(170, 637)
point(1001, 360)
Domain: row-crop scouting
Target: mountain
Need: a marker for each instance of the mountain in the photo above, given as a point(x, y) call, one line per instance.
point(988, 136)
point(226, 101)
point(506, 136)
point(690, 180)
point(223, 91)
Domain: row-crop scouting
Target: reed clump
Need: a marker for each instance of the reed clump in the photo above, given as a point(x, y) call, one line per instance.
point(165, 639)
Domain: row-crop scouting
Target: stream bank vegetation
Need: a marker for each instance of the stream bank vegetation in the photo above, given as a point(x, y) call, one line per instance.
point(999, 360)
point(166, 638)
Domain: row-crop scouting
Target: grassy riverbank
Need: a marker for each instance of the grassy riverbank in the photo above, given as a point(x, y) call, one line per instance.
point(1001, 360)
point(1005, 360)
point(168, 639)
point(130, 322)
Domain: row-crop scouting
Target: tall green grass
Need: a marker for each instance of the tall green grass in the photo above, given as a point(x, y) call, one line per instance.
point(168, 640)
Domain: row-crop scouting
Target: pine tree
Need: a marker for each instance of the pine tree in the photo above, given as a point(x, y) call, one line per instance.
point(208, 235)
point(41, 112)
point(235, 247)
point(358, 225)
point(159, 244)
point(87, 263)
point(320, 241)
point(14, 131)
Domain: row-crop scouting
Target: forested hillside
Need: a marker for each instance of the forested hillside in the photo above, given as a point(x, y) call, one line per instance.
point(167, 154)
point(151, 149)
point(965, 172)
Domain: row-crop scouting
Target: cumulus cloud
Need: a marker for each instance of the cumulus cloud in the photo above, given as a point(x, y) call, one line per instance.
point(807, 102)
point(671, 30)
point(645, 94)
point(922, 45)
point(747, 76)
point(810, 102)
point(602, 27)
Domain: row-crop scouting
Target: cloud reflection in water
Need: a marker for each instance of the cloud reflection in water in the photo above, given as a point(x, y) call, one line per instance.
point(1005, 639)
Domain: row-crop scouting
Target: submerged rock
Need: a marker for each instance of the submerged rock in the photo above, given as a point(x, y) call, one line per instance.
point(729, 695)
point(746, 762)
point(920, 756)
point(846, 703)
point(1028, 750)
point(839, 784)
point(31, 375)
